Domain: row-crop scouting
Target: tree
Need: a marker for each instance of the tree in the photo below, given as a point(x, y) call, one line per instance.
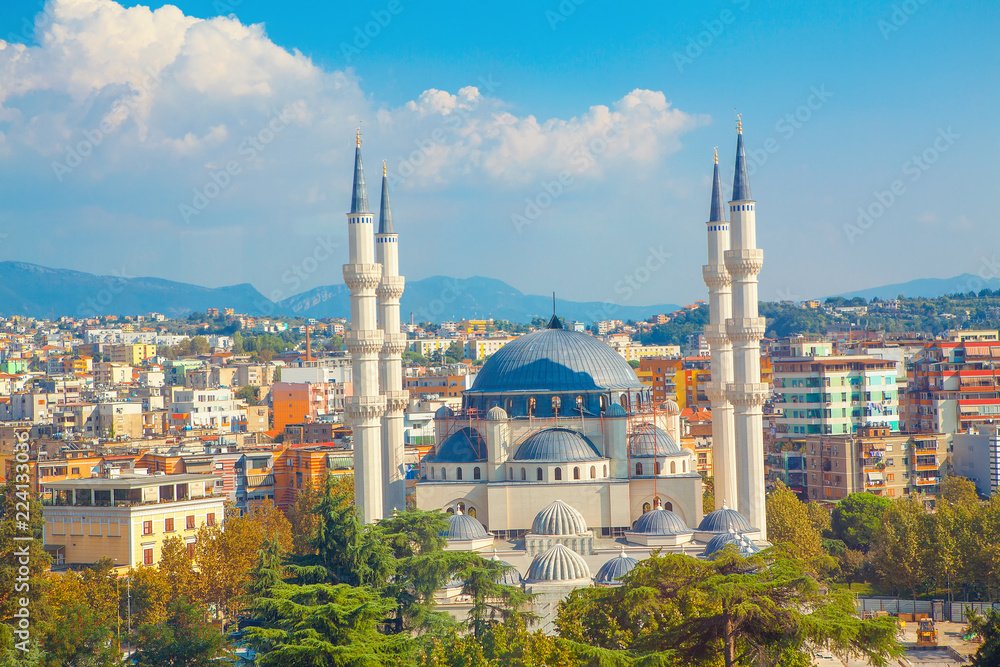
point(186, 639)
point(82, 624)
point(732, 610)
point(987, 626)
point(958, 491)
point(177, 569)
point(493, 602)
point(150, 595)
point(500, 646)
point(334, 344)
point(896, 553)
point(708, 493)
point(634, 363)
point(857, 519)
point(225, 556)
point(199, 345)
point(248, 394)
point(788, 522)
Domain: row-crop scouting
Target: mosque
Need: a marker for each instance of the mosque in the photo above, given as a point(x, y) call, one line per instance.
point(559, 462)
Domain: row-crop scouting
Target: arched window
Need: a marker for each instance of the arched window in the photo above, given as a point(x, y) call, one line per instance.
point(476, 474)
point(645, 507)
point(624, 401)
point(523, 475)
point(593, 472)
point(461, 507)
point(576, 473)
point(604, 403)
point(556, 404)
point(684, 466)
point(558, 474)
point(510, 406)
point(510, 474)
point(669, 506)
point(579, 403)
point(605, 470)
point(450, 511)
point(531, 406)
point(538, 474)
point(638, 469)
point(472, 512)
point(657, 467)
point(432, 472)
point(444, 474)
point(458, 473)
point(673, 467)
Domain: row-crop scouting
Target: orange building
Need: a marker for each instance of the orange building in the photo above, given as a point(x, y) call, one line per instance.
point(301, 402)
point(297, 466)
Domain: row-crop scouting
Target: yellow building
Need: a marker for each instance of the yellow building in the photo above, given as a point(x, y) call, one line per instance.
point(126, 518)
point(133, 354)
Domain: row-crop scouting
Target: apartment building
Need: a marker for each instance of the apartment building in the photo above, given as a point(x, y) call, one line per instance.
point(955, 387)
point(481, 348)
point(299, 402)
point(875, 460)
point(833, 395)
point(212, 408)
point(660, 374)
point(444, 386)
point(126, 518)
point(134, 354)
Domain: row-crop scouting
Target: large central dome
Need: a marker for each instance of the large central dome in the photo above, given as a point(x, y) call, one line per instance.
point(555, 360)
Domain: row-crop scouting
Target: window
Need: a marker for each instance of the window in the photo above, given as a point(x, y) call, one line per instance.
point(576, 473)
point(476, 474)
point(523, 475)
point(645, 507)
point(558, 474)
point(190, 549)
point(168, 525)
point(638, 469)
point(593, 472)
point(189, 521)
point(210, 519)
point(432, 472)
point(472, 512)
point(538, 474)
point(673, 467)
point(891, 477)
point(656, 467)
point(444, 474)
point(147, 556)
point(147, 527)
point(684, 466)
point(605, 470)
point(74, 471)
point(510, 474)
point(458, 473)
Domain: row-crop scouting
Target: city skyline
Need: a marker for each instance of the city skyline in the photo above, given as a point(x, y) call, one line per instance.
point(515, 159)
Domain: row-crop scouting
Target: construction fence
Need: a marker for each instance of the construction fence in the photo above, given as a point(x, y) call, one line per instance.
point(939, 610)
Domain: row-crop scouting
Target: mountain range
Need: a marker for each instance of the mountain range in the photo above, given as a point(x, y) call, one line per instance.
point(927, 288)
point(38, 291)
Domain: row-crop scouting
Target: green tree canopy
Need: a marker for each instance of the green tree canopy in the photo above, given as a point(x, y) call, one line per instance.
point(857, 519)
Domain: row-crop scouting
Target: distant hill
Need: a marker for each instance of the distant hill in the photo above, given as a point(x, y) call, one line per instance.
point(38, 291)
point(440, 298)
point(928, 288)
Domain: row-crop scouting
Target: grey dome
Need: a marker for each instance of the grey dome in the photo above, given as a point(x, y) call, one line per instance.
point(559, 519)
point(444, 412)
point(463, 446)
point(555, 360)
point(744, 545)
point(615, 410)
point(558, 563)
point(496, 414)
point(464, 527)
point(510, 577)
point(723, 520)
point(649, 440)
point(659, 521)
point(558, 445)
point(613, 570)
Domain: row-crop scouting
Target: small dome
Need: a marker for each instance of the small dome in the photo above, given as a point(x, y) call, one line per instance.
point(723, 520)
point(559, 519)
point(461, 526)
point(671, 408)
point(612, 571)
point(463, 446)
point(557, 445)
point(615, 410)
point(659, 521)
point(648, 440)
point(558, 563)
point(496, 414)
point(444, 412)
point(744, 545)
point(510, 577)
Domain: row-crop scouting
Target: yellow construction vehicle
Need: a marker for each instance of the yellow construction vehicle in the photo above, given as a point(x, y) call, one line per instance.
point(926, 632)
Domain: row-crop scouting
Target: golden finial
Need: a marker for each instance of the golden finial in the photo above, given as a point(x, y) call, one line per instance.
point(716, 155)
point(739, 123)
point(359, 137)
point(383, 168)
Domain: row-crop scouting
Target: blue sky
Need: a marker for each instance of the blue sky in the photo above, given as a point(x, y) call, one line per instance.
point(555, 146)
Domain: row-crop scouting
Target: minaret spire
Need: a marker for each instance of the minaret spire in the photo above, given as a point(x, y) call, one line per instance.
point(718, 212)
point(385, 213)
point(741, 181)
point(359, 196)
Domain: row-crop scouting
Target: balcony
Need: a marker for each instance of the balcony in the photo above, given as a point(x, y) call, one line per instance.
point(926, 481)
point(875, 484)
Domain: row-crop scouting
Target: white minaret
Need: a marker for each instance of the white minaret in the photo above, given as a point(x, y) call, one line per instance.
point(391, 357)
point(745, 329)
point(720, 309)
point(364, 409)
